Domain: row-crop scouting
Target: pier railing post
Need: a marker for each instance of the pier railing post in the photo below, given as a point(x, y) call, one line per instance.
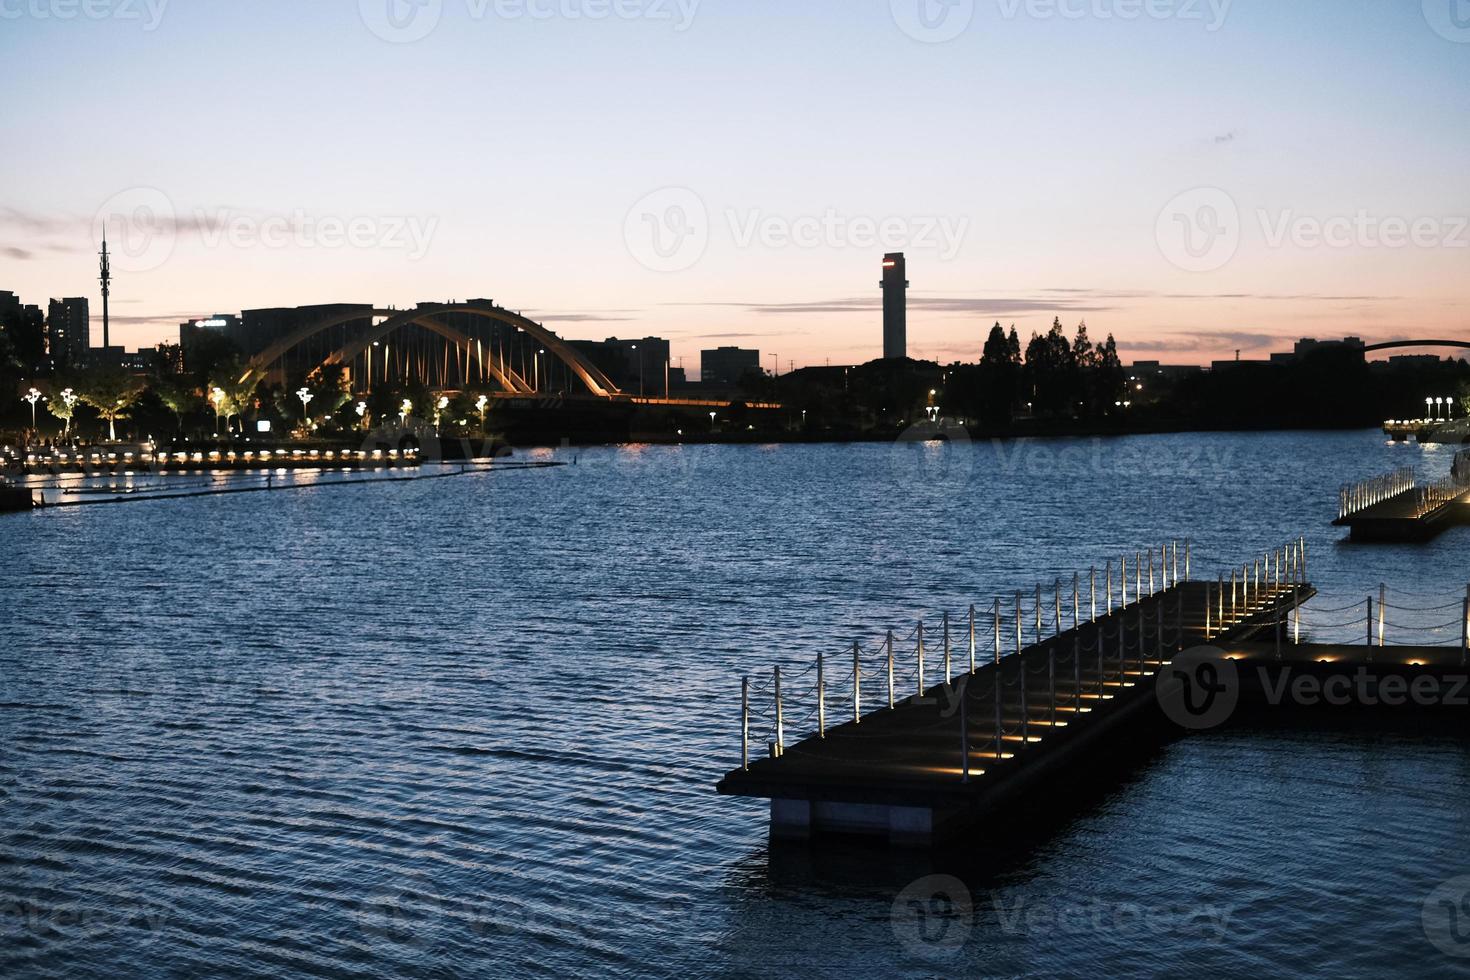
point(1000, 721)
point(920, 678)
point(857, 684)
point(1020, 617)
point(948, 666)
point(1057, 626)
point(1151, 588)
point(1174, 549)
point(972, 640)
point(1092, 588)
point(745, 723)
point(997, 634)
point(1296, 615)
point(891, 701)
point(1188, 556)
point(1382, 604)
point(780, 718)
point(1303, 550)
point(1138, 576)
point(821, 695)
point(1038, 613)
point(1109, 573)
point(1142, 643)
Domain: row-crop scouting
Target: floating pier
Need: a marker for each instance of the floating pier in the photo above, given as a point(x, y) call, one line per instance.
point(1395, 508)
point(919, 738)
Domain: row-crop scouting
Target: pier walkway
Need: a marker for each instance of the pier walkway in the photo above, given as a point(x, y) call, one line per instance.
point(1395, 508)
point(919, 737)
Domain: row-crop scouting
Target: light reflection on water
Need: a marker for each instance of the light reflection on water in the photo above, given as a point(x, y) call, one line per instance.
point(473, 725)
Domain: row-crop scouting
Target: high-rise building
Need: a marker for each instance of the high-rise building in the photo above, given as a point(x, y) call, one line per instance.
point(68, 332)
point(895, 306)
point(727, 365)
point(25, 327)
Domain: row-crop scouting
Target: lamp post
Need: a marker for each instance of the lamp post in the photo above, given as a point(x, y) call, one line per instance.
point(306, 397)
point(439, 408)
point(217, 395)
point(1428, 407)
point(362, 413)
point(403, 411)
point(481, 404)
point(712, 421)
point(33, 396)
point(69, 399)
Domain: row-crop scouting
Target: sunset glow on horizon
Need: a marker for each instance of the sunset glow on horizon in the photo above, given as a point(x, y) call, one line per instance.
point(1197, 179)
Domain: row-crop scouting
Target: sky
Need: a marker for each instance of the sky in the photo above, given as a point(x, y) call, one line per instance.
point(1196, 177)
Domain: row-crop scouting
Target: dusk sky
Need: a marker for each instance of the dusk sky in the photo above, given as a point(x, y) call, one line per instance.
point(715, 172)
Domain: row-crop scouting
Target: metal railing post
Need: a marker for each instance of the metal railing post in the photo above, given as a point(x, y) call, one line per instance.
point(1076, 600)
point(1092, 587)
point(745, 723)
point(1038, 613)
point(920, 678)
point(1382, 604)
point(857, 684)
point(780, 718)
point(997, 633)
point(1057, 610)
point(1370, 623)
point(1020, 616)
point(891, 701)
point(821, 695)
point(1077, 672)
point(972, 639)
point(1110, 586)
point(1188, 555)
point(1208, 609)
point(948, 664)
point(1465, 636)
point(1296, 610)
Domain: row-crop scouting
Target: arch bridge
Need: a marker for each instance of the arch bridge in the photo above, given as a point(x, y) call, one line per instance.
point(440, 345)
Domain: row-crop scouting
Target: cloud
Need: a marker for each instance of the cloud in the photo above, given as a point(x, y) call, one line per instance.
point(19, 254)
point(606, 317)
point(1229, 137)
point(959, 305)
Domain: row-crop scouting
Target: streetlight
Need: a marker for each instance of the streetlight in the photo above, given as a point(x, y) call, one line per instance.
point(403, 411)
point(712, 421)
point(68, 398)
point(306, 397)
point(217, 396)
point(439, 408)
point(1428, 407)
point(33, 396)
point(483, 401)
point(362, 413)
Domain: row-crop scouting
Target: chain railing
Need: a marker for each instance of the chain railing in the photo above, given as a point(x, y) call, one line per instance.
point(1112, 598)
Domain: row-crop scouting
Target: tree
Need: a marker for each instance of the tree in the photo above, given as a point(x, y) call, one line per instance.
point(999, 375)
point(63, 405)
point(112, 392)
point(178, 394)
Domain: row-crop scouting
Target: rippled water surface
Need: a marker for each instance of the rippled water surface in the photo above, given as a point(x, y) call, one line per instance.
point(472, 726)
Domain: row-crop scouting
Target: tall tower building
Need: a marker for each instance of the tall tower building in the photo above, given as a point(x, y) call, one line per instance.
point(895, 306)
point(106, 280)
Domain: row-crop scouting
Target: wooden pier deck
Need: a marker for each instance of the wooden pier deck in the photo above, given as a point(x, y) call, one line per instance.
point(945, 754)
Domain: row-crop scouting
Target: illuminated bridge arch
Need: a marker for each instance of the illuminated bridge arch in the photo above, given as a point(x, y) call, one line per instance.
point(1398, 344)
point(479, 351)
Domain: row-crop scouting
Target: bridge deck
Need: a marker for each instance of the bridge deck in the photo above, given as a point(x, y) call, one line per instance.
point(900, 771)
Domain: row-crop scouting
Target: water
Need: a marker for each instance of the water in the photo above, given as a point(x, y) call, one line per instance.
point(472, 726)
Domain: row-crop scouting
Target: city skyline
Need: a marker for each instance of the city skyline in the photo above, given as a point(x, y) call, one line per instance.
point(1221, 206)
